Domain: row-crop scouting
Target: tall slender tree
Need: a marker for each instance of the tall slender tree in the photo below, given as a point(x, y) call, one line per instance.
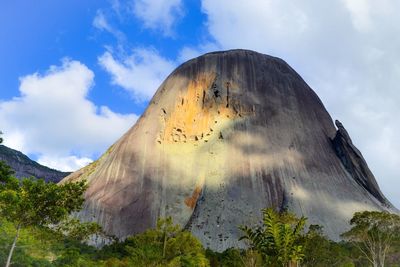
point(374, 232)
point(32, 202)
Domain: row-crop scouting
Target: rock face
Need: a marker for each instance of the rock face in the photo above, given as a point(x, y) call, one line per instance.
point(355, 163)
point(25, 167)
point(227, 134)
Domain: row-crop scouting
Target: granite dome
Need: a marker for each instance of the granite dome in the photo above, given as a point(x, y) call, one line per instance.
point(227, 134)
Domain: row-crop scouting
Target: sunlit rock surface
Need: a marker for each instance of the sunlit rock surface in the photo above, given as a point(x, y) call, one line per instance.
point(227, 134)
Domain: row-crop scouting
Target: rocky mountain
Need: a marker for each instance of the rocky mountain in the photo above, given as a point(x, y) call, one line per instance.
point(227, 134)
point(25, 167)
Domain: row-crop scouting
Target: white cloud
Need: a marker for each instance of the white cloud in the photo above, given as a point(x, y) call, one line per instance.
point(360, 11)
point(346, 50)
point(158, 14)
point(100, 22)
point(53, 118)
point(67, 164)
point(188, 52)
point(140, 73)
point(365, 14)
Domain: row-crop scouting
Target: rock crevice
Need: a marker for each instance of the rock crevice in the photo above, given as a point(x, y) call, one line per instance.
point(354, 162)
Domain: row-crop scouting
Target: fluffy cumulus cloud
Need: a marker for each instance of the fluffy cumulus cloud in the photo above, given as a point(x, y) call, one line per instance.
point(54, 119)
point(346, 50)
point(158, 14)
point(67, 163)
point(140, 73)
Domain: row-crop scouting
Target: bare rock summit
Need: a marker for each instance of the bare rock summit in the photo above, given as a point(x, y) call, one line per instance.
point(226, 135)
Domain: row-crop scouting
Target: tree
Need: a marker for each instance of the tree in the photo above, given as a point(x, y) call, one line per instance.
point(33, 202)
point(278, 240)
point(374, 232)
point(234, 257)
point(319, 251)
point(79, 231)
point(6, 173)
point(166, 245)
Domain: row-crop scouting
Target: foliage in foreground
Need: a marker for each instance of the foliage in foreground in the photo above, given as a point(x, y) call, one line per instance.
point(281, 241)
point(278, 240)
point(35, 203)
point(374, 233)
point(166, 245)
point(42, 247)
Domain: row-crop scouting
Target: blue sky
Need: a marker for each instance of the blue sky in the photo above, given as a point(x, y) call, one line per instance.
point(75, 75)
point(38, 34)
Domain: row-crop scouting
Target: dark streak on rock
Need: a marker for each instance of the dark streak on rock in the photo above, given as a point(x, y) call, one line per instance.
point(227, 94)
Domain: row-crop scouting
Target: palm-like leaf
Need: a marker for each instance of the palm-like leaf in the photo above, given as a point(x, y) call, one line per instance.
point(277, 240)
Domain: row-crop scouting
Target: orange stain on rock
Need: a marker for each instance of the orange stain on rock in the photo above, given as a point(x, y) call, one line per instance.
point(196, 112)
point(192, 200)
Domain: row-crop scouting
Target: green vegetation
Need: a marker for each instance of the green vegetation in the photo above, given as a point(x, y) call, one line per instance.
point(374, 233)
point(278, 240)
point(36, 230)
point(319, 251)
point(32, 202)
point(168, 245)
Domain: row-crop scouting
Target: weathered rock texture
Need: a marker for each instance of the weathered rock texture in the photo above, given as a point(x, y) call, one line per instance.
point(25, 167)
point(227, 134)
